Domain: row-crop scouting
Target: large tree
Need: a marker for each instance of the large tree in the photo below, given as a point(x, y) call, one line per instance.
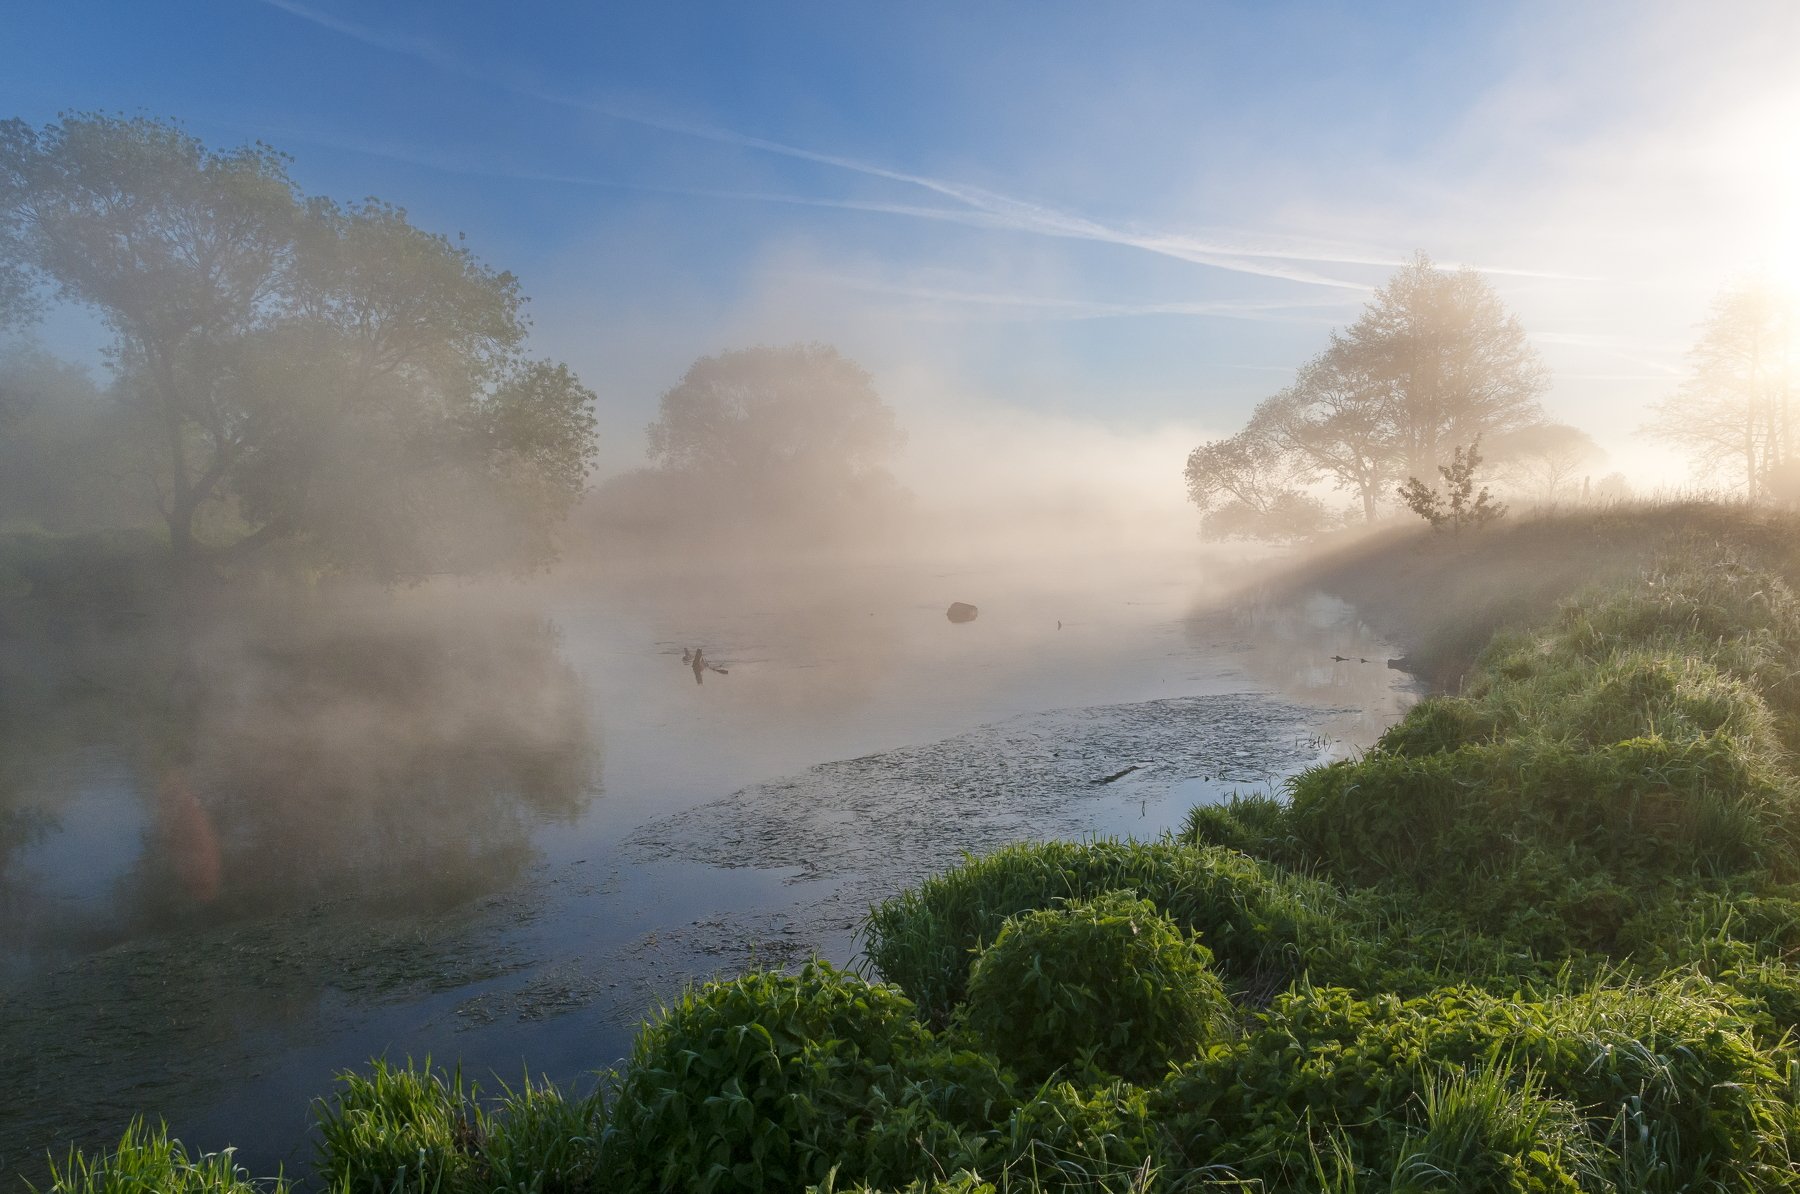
point(759, 413)
point(1735, 413)
point(765, 447)
point(299, 369)
point(1434, 361)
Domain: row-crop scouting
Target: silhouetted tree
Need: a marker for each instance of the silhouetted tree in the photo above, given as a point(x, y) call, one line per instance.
point(1459, 505)
point(1244, 488)
point(1433, 361)
point(1334, 424)
point(302, 370)
point(1734, 414)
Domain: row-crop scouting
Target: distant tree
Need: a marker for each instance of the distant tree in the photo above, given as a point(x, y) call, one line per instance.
point(759, 414)
point(1458, 505)
point(1735, 413)
point(1434, 360)
point(1244, 488)
point(1544, 462)
point(301, 370)
point(1291, 517)
point(1613, 487)
point(1248, 469)
point(1443, 354)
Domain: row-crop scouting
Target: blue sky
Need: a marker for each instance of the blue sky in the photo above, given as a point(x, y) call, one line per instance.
point(1122, 221)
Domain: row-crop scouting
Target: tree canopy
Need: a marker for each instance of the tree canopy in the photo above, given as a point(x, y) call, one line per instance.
point(763, 444)
point(1435, 360)
point(297, 369)
point(760, 412)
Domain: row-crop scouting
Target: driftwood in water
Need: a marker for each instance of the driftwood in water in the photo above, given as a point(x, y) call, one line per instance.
point(696, 659)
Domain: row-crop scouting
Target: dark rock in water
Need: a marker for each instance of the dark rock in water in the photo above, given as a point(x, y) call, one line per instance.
point(1402, 664)
point(961, 611)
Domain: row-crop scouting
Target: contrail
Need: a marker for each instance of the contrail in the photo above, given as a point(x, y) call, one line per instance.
point(981, 207)
point(1077, 309)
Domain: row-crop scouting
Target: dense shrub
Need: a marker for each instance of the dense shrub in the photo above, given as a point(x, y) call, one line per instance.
point(1258, 921)
point(1108, 982)
point(1652, 1086)
point(770, 1082)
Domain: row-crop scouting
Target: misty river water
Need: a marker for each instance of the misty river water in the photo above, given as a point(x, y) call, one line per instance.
point(498, 824)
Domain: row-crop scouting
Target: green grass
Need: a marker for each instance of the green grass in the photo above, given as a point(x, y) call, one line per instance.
point(148, 1161)
point(419, 1130)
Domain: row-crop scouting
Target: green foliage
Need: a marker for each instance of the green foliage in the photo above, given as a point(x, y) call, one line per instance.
point(400, 1128)
point(772, 1082)
point(1246, 823)
point(1256, 920)
point(1437, 723)
point(1639, 1087)
point(1109, 982)
point(1484, 1131)
point(1459, 505)
point(405, 1129)
point(147, 1161)
point(540, 1141)
point(294, 370)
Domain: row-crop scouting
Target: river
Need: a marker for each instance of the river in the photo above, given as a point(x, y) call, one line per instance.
point(496, 824)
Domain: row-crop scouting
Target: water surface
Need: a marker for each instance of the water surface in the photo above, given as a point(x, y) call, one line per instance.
point(497, 824)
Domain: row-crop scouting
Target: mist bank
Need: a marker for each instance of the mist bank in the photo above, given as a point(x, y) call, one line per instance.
point(1443, 596)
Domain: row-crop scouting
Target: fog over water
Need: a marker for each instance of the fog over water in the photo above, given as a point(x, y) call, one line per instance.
point(499, 822)
point(509, 512)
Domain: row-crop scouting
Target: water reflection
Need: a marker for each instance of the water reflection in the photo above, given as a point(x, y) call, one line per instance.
point(219, 835)
point(1315, 648)
point(186, 778)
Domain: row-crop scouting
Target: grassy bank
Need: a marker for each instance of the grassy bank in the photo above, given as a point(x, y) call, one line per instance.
point(1539, 939)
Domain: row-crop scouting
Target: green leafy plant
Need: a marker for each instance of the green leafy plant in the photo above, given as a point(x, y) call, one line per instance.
point(771, 1082)
point(1459, 505)
point(1258, 920)
point(148, 1161)
point(399, 1128)
point(1109, 982)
